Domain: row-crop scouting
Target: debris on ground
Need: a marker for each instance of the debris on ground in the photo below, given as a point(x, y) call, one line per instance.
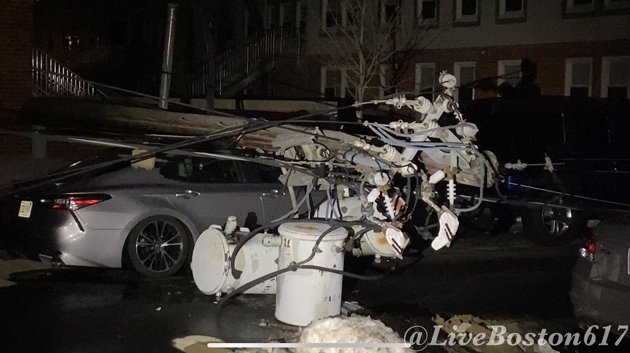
point(353, 329)
point(472, 325)
point(198, 344)
point(8, 267)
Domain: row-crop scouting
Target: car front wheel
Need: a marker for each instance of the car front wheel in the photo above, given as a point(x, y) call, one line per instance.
point(158, 246)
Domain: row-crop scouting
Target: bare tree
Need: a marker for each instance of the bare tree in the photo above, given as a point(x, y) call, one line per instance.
point(373, 41)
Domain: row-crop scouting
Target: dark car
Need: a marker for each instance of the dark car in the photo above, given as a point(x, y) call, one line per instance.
point(588, 142)
point(600, 290)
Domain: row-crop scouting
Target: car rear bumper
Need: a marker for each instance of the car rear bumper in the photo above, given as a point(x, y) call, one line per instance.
point(597, 301)
point(58, 237)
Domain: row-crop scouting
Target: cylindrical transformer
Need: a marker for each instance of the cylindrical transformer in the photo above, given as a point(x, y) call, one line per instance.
point(211, 263)
point(306, 295)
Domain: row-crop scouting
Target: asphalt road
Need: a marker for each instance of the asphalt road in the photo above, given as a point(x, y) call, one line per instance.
point(94, 310)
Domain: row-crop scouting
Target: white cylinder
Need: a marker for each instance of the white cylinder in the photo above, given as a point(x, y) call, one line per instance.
point(306, 295)
point(373, 243)
point(211, 263)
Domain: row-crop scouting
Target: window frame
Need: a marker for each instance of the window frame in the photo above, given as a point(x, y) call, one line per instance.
point(324, 11)
point(343, 84)
point(569, 8)
point(465, 20)
point(457, 69)
point(418, 76)
point(502, 15)
point(420, 22)
point(383, 12)
point(568, 74)
point(501, 65)
point(605, 77)
point(610, 5)
point(383, 69)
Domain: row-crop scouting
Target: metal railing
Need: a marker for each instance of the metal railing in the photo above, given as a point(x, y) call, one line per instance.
point(51, 78)
point(248, 58)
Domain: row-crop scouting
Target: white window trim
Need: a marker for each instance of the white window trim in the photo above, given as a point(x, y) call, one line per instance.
point(503, 14)
point(383, 12)
point(465, 18)
point(323, 17)
point(381, 79)
point(343, 72)
point(430, 22)
point(344, 14)
point(568, 74)
point(608, 4)
point(606, 74)
point(571, 7)
point(501, 69)
point(419, 67)
point(457, 69)
point(283, 12)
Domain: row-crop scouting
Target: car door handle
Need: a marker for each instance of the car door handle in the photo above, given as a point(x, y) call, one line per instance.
point(272, 193)
point(188, 193)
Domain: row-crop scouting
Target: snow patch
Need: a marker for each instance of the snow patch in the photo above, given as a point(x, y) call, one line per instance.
point(354, 329)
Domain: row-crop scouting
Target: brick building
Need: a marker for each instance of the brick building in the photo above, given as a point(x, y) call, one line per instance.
point(16, 24)
point(580, 47)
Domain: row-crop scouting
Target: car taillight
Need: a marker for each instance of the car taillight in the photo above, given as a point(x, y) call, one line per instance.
point(589, 248)
point(74, 202)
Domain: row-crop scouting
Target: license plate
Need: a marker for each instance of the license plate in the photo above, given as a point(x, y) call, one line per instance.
point(25, 209)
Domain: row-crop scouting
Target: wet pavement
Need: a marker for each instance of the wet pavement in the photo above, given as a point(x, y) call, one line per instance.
point(96, 310)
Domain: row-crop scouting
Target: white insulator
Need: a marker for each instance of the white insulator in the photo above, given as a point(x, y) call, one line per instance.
point(389, 153)
point(451, 192)
point(230, 225)
point(423, 105)
point(381, 178)
point(401, 102)
point(447, 80)
point(389, 206)
point(399, 125)
point(437, 177)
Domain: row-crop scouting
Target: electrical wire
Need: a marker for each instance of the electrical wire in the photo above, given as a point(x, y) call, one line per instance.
point(261, 279)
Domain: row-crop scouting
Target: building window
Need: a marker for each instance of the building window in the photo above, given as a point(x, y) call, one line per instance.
point(273, 16)
point(616, 4)
point(465, 74)
point(467, 12)
point(288, 14)
point(509, 72)
point(511, 11)
point(331, 83)
point(577, 77)
point(616, 77)
point(389, 11)
point(578, 6)
point(386, 81)
point(331, 13)
point(427, 12)
point(425, 79)
point(337, 82)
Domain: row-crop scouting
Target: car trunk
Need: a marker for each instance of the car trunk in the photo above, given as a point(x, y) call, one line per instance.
point(612, 259)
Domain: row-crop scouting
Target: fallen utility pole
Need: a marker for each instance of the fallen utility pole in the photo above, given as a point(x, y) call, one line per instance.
point(167, 59)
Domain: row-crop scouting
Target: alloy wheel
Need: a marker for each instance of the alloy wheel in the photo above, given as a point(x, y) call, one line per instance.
point(160, 246)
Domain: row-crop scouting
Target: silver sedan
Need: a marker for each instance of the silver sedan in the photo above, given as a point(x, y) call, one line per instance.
point(146, 219)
